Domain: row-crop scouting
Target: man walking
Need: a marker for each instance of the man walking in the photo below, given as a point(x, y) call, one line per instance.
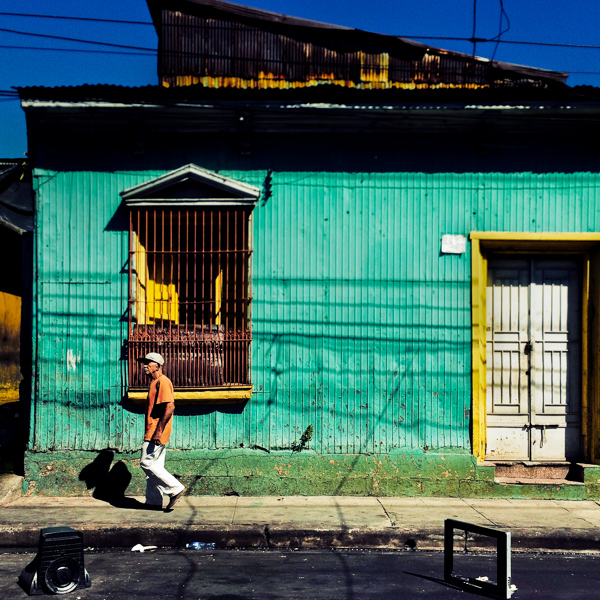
point(160, 406)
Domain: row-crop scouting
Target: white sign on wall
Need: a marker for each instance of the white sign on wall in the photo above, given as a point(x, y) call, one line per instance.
point(454, 244)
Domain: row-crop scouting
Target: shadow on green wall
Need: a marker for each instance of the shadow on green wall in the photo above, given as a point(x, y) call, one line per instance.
point(109, 481)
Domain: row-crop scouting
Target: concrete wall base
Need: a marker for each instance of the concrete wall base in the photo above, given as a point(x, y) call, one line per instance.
point(257, 473)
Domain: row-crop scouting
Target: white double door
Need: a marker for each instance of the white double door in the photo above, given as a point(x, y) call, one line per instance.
point(533, 359)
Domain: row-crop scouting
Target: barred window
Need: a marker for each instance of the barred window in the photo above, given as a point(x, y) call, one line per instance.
point(190, 284)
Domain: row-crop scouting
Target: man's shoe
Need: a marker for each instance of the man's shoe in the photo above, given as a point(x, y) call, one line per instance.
point(173, 499)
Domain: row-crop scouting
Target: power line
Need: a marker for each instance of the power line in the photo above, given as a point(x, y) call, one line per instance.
point(78, 40)
point(151, 54)
point(552, 45)
point(472, 39)
point(501, 31)
point(494, 40)
point(119, 21)
point(475, 40)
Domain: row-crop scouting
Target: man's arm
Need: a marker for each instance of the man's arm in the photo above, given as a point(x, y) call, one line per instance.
point(167, 412)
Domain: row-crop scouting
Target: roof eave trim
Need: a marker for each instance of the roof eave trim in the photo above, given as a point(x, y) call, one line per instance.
point(192, 202)
point(238, 10)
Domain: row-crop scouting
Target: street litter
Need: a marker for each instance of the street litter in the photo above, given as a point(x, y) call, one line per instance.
point(140, 548)
point(201, 546)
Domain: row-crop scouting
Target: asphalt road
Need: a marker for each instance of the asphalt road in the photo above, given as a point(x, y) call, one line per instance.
point(340, 575)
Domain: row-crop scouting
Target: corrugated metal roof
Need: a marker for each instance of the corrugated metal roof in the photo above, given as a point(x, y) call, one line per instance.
point(220, 44)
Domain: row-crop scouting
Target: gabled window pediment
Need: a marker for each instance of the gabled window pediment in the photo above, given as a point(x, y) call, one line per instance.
point(191, 185)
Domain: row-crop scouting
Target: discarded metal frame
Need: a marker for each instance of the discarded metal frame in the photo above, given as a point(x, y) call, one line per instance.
point(503, 587)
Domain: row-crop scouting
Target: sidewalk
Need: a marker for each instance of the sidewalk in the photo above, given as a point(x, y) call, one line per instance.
point(303, 522)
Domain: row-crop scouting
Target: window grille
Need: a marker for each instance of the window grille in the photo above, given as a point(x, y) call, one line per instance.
point(190, 294)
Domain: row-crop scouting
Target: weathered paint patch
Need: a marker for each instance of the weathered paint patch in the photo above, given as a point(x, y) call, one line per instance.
point(72, 360)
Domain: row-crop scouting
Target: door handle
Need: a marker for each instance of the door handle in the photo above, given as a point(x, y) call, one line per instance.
point(528, 348)
point(543, 436)
point(543, 428)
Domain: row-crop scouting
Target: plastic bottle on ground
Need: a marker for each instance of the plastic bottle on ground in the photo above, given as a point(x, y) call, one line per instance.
point(201, 546)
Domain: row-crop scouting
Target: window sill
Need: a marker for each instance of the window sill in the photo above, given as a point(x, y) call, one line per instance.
point(215, 395)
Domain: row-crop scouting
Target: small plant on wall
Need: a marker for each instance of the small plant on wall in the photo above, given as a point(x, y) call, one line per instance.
point(304, 439)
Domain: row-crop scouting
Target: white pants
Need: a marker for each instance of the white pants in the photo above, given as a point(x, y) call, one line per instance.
point(158, 480)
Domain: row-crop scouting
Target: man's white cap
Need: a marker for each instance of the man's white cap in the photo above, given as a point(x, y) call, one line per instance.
point(152, 357)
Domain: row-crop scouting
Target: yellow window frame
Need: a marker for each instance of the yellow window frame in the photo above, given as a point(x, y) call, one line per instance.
point(585, 245)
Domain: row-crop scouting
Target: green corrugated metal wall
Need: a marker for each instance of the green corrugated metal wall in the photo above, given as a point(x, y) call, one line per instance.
point(361, 327)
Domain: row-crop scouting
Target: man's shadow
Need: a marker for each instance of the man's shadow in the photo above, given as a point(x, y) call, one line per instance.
point(110, 481)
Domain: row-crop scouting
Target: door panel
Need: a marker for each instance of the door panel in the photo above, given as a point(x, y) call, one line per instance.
point(555, 379)
point(507, 379)
point(533, 353)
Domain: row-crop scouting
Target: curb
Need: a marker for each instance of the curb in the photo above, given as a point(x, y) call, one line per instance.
point(255, 537)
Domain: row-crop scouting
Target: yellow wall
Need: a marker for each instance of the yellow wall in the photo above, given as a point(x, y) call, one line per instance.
point(10, 349)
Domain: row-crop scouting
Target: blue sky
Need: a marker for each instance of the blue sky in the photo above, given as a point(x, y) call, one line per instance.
point(548, 21)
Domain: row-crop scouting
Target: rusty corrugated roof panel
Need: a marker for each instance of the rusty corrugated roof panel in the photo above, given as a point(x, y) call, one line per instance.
point(220, 44)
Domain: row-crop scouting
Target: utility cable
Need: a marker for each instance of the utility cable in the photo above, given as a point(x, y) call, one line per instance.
point(93, 20)
point(473, 38)
point(182, 53)
point(493, 40)
point(151, 53)
point(501, 31)
point(79, 40)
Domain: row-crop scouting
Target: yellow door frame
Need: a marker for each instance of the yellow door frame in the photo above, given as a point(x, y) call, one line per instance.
point(585, 245)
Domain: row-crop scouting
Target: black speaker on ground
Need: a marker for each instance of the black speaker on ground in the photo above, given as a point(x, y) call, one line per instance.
point(58, 567)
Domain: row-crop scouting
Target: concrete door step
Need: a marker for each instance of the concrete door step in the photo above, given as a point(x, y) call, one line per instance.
point(536, 481)
point(532, 470)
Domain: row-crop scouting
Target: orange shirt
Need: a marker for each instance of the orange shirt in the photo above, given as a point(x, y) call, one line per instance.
point(161, 390)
